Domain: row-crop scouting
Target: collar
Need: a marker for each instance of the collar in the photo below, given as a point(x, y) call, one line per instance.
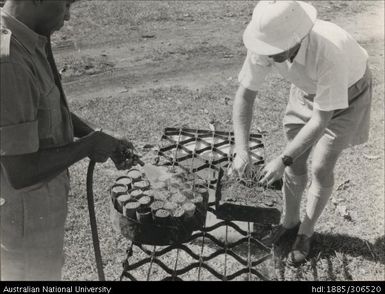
point(23, 34)
point(301, 55)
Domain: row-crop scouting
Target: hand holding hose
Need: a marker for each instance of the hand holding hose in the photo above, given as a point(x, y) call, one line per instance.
point(125, 156)
point(120, 150)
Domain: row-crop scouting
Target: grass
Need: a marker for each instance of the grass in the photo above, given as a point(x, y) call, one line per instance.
point(344, 249)
point(365, 225)
point(124, 20)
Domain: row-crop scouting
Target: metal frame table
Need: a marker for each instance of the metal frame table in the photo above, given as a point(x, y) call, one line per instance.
point(221, 250)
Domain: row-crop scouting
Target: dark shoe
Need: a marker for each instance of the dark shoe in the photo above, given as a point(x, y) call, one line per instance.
point(280, 233)
point(300, 250)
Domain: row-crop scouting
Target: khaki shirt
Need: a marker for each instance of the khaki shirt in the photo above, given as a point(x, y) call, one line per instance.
point(34, 110)
point(34, 115)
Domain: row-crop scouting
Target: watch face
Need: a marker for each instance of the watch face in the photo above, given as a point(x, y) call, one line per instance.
point(287, 160)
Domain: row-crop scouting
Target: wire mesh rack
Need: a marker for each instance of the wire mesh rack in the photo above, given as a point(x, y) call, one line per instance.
point(222, 249)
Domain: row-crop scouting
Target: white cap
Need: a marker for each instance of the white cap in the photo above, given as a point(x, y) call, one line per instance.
point(277, 26)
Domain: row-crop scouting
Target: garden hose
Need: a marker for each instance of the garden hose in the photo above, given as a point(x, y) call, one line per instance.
point(94, 228)
point(91, 210)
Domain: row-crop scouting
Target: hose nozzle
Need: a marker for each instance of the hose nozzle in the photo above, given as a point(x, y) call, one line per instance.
point(129, 154)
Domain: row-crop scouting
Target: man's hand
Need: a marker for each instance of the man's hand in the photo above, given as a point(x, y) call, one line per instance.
point(106, 146)
point(114, 146)
point(103, 146)
point(125, 156)
point(240, 164)
point(273, 171)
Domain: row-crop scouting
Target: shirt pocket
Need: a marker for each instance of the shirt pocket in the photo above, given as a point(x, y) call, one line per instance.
point(49, 115)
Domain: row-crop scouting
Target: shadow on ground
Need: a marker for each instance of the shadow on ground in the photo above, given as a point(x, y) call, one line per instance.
point(326, 247)
point(329, 258)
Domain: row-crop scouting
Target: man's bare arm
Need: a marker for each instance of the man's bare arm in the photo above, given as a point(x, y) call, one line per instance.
point(81, 128)
point(309, 134)
point(242, 117)
point(29, 169)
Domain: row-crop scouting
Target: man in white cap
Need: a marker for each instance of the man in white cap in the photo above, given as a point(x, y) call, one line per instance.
point(328, 108)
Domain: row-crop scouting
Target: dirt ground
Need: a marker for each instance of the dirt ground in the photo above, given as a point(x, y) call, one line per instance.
point(194, 53)
point(137, 67)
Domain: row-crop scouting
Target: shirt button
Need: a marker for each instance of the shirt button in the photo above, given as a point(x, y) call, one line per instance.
point(2, 201)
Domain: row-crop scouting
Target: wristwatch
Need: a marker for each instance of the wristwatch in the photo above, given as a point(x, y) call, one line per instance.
point(287, 160)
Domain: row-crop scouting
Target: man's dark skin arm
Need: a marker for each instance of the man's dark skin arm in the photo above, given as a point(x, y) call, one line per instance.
point(29, 169)
point(81, 128)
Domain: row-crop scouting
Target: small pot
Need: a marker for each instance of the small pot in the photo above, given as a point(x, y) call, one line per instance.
point(159, 185)
point(142, 185)
point(130, 208)
point(135, 175)
point(162, 217)
point(136, 193)
point(178, 215)
point(121, 200)
point(144, 215)
point(174, 188)
point(170, 206)
point(157, 205)
point(189, 208)
point(145, 201)
point(124, 180)
point(178, 198)
point(161, 195)
point(148, 193)
point(188, 193)
point(116, 190)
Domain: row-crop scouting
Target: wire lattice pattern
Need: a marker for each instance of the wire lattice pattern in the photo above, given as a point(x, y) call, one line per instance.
point(222, 249)
point(204, 152)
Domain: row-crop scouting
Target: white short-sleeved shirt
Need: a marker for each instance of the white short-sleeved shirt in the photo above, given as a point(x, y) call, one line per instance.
point(328, 62)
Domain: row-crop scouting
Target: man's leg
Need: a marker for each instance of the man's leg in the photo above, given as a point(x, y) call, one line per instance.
point(323, 163)
point(321, 188)
point(294, 183)
point(297, 114)
point(32, 230)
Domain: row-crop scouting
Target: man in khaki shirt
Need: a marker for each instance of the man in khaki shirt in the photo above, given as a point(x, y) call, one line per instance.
point(37, 133)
